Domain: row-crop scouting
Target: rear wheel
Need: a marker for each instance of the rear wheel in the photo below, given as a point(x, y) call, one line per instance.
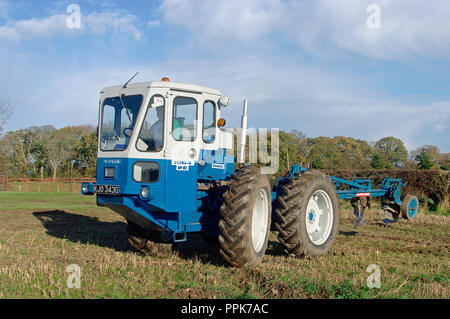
point(148, 242)
point(245, 218)
point(307, 215)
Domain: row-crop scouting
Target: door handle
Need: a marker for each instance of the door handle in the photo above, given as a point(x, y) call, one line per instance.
point(192, 153)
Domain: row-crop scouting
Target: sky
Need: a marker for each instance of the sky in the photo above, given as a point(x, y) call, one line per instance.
point(364, 69)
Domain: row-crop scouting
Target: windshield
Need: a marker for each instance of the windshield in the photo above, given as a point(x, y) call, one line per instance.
point(117, 126)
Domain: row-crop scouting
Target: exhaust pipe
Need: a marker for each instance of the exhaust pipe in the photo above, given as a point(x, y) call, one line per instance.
point(243, 135)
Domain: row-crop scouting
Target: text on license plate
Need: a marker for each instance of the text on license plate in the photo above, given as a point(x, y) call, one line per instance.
point(107, 189)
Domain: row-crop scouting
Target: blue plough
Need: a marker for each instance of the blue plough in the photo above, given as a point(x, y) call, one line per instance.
point(359, 192)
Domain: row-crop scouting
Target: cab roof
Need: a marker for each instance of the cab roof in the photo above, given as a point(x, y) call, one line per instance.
point(165, 84)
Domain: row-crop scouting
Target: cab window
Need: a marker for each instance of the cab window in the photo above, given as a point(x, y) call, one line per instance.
point(184, 121)
point(151, 136)
point(209, 122)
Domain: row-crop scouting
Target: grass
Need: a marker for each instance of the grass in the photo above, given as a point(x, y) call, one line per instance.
point(42, 233)
point(439, 211)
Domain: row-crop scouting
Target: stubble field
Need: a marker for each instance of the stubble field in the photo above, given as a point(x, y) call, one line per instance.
point(43, 233)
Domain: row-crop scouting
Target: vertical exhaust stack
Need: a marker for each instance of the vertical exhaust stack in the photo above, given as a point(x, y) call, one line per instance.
point(243, 135)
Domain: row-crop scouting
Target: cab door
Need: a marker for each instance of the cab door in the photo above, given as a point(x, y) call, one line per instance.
point(212, 164)
point(182, 151)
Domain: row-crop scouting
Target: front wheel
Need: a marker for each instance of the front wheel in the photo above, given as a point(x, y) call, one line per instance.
point(148, 242)
point(245, 218)
point(307, 215)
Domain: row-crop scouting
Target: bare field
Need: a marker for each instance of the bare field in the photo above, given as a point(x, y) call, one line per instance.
point(42, 233)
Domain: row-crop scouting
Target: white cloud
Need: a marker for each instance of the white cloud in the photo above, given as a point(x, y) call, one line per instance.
point(54, 25)
point(231, 18)
point(409, 28)
point(33, 28)
point(119, 22)
point(154, 23)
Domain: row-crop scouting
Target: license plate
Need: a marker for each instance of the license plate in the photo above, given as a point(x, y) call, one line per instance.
point(107, 189)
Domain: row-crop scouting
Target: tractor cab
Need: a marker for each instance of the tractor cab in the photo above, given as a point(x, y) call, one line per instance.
point(157, 142)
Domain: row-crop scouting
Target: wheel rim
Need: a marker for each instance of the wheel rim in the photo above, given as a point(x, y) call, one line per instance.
point(412, 208)
point(319, 217)
point(260, 218)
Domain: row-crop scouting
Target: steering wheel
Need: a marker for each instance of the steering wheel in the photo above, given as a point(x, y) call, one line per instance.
point(127, 131)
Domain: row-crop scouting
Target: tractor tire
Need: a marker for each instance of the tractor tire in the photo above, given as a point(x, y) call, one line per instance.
point(244, 224)
point(410, 207)
point(148, 242)
point(307, 215)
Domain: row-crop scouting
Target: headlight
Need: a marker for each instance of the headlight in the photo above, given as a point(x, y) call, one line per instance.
point(145, 193)
point(85, 188)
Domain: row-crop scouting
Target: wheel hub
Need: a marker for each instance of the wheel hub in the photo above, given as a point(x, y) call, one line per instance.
point(319, 217)
point(412, 209)
point(313, 216)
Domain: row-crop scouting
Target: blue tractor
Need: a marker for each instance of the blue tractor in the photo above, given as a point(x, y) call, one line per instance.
point(164, 164)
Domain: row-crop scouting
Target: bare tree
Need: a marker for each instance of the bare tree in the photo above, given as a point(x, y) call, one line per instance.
point(301, 144)
point(38, 156)
point(5, 114)
point(59, 146)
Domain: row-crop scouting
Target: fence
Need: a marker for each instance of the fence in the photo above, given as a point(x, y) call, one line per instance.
point(59, 185)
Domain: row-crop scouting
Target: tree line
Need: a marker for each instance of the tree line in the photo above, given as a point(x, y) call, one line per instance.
point(44, 151)
point(342, 152)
